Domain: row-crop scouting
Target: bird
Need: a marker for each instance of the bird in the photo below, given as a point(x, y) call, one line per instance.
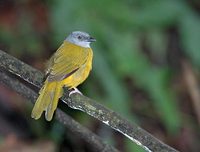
point(68, 67)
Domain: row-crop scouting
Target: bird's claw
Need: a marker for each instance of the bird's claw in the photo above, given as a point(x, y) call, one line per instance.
point(74, 90)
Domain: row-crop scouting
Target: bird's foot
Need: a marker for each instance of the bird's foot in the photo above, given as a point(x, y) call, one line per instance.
point(74, 90)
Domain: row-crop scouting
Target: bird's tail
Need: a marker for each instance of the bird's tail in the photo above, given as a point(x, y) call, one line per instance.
point(47, 100)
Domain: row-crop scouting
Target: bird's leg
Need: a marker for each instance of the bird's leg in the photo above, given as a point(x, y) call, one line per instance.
point(74, 90)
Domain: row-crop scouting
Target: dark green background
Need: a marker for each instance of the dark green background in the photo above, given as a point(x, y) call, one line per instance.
point(138, 69)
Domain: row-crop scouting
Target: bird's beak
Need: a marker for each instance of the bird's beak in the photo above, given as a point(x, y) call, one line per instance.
point(91, 39)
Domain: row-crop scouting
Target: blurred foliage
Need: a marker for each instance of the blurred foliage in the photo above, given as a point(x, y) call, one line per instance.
point(120, 55)
point(139, 49)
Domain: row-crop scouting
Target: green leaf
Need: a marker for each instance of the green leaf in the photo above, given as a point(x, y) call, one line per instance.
point(190, 36)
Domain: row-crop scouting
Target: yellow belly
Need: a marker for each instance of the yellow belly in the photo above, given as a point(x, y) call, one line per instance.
point(79, 76)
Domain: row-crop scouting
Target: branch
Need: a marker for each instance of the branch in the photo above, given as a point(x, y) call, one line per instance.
point(87, 105)
point(96, 142)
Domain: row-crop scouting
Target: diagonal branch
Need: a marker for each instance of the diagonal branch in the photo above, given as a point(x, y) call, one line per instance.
point(87, 105)
point(88, 136)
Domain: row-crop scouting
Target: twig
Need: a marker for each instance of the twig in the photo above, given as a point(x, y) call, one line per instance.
point(192, 86)
point(87, 105)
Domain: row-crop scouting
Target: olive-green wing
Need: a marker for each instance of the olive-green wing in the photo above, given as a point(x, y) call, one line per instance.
point(66, 61)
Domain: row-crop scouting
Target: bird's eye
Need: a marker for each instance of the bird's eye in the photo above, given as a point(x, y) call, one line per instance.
point(79, 37)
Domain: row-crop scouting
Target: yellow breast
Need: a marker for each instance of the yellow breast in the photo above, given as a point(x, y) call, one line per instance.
point(82, 73)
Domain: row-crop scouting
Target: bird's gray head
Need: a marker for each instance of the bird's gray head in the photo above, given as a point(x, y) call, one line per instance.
point(80, 38)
